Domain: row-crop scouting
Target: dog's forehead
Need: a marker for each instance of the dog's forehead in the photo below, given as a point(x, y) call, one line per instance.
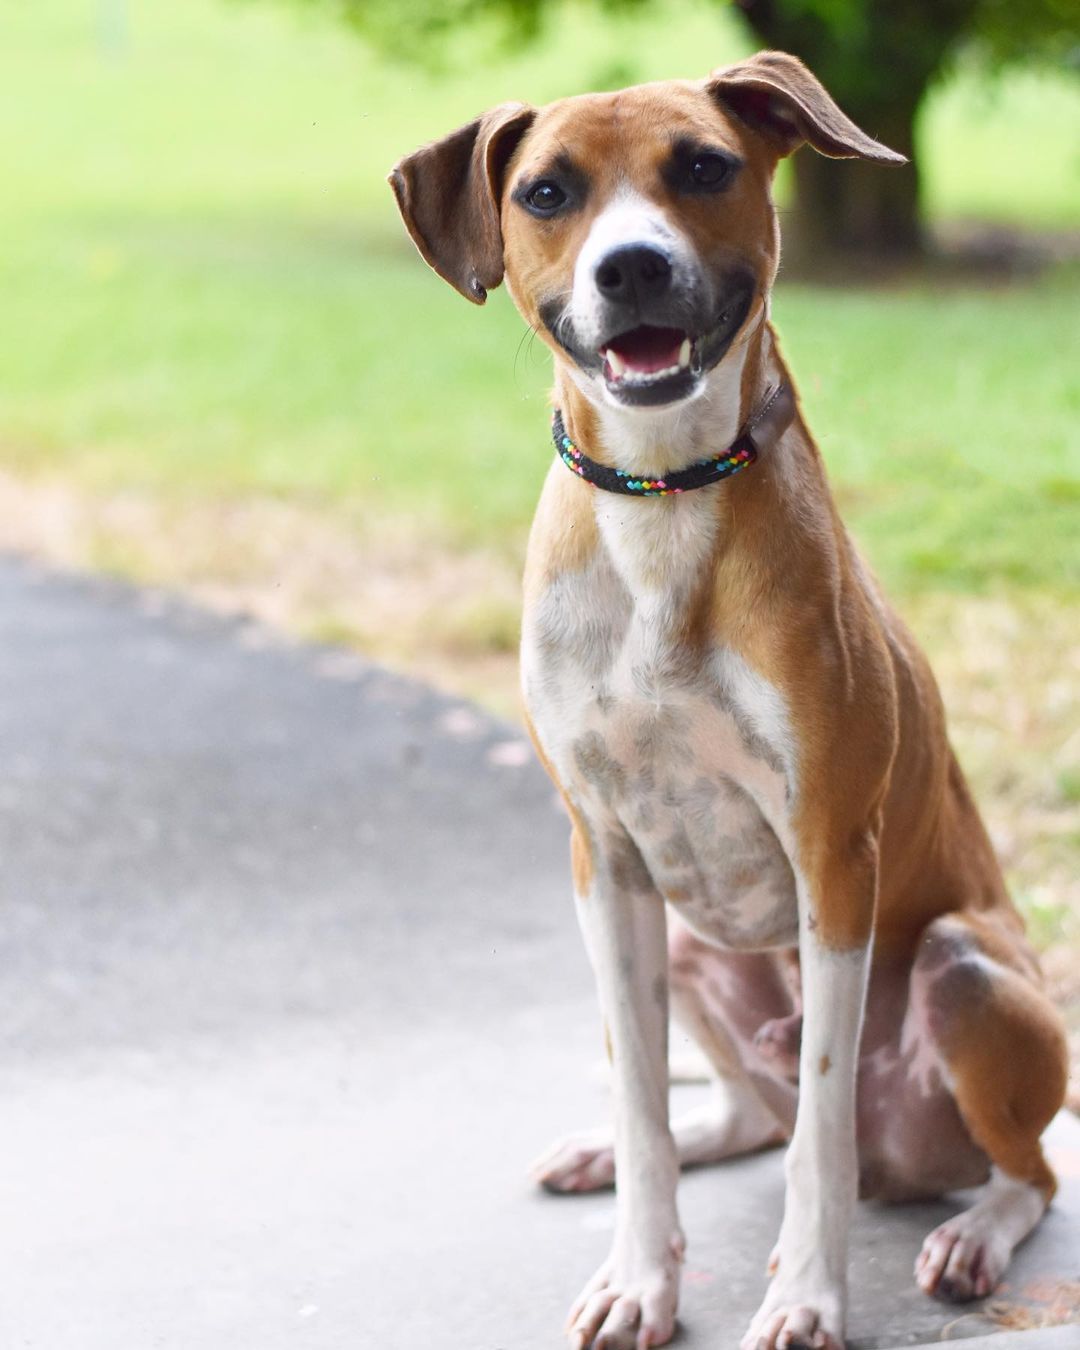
point(602, 129)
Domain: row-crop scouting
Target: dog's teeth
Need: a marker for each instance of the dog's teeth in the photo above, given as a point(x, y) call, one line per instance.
point(618, 367)
point(684, 354)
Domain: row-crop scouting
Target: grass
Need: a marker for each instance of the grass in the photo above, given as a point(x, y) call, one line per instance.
point(169, 365)
point(207, 293)
point(223, 367)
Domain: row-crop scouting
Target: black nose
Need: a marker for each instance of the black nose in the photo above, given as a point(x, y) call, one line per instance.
point(633, 272)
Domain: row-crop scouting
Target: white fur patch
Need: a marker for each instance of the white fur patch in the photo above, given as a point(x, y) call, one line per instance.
point(764, 707)
point(628, 219)
point(659, 551)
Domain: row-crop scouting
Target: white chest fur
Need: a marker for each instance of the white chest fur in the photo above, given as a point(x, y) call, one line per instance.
point(658, 547)
point(688, 753)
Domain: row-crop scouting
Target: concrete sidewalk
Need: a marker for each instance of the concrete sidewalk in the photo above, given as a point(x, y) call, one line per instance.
point(292, 993)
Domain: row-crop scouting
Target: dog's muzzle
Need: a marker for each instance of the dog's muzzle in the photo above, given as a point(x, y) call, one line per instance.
point(659, 331)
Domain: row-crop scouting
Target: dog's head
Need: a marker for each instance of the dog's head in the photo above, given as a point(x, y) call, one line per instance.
point(635, 230)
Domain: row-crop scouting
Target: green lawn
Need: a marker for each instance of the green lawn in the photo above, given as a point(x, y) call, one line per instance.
point(206, 291)
point(223, 367)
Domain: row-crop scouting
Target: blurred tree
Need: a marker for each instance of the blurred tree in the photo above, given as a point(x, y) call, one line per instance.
point(877, 58)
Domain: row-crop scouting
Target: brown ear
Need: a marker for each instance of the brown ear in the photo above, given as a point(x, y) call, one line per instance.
point(448, 194)
point(775, 94)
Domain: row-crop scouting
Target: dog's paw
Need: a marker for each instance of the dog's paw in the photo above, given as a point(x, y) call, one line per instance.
point(779, 1041)
point(788, 1321)
point(960, 1260)
point(623, 1310)
point(577, 1162)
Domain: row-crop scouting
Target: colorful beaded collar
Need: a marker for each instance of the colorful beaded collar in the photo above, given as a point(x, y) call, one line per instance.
point(778, 405)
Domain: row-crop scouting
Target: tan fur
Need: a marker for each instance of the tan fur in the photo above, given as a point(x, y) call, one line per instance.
point(889, 841)
point(581, 860)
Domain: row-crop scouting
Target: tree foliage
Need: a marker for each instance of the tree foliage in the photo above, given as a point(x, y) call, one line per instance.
point(877, 57)
point(1001, 30)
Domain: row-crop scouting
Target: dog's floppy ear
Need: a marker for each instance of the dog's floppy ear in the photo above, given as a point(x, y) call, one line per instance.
point(449, 195)
point(776, 95)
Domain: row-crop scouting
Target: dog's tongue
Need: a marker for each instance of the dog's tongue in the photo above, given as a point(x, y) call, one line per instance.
point(644, 350)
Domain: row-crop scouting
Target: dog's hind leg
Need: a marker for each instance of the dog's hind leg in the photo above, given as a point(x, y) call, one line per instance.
point(1004, 1050)
point(721, 999)
point(704, 982)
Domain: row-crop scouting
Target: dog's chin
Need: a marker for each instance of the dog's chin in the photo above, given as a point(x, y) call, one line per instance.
point(660, 392)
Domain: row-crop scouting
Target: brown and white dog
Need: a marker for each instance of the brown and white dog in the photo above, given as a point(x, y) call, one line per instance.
point(748, 740)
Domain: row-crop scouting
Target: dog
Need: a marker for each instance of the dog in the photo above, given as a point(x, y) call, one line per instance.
point(769, 830)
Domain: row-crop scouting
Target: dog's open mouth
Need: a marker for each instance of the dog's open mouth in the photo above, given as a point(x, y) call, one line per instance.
point(655, 364)
point(650, 365)
point(645, 355)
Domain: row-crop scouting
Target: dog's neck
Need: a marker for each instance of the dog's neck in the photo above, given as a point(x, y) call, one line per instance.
point(664, 440)
point(661, 546)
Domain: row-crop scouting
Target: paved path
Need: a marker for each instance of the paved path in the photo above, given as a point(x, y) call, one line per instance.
point(292, 991)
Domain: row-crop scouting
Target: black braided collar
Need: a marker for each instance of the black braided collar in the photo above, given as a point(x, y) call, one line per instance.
point(739, 455)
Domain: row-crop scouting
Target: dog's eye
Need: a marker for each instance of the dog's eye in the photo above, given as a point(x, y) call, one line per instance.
point(709, 171)
point(545, 197)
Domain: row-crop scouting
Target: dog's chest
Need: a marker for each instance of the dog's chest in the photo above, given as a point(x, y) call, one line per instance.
point(672, 741)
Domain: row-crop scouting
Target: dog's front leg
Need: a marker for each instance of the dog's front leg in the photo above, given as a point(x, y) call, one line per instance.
point(806, 1303)
point(631, 1300)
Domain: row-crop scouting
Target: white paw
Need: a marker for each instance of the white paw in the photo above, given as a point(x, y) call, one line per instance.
point(791, 1321)
point(723, 1128)
point(619, 1310)
point(577, 1162)
point(961, 1261)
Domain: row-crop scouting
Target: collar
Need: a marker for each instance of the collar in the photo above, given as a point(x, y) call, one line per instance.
point(764, 426)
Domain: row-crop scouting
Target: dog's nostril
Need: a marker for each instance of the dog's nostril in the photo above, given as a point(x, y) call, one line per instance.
point(654, 267)
point(609, 278)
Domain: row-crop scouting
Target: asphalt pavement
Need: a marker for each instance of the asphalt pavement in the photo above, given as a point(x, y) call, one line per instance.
point(291, 993)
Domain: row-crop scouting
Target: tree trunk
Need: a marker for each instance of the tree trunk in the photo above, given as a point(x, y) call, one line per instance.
point(876, 58)
point(851, 209)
